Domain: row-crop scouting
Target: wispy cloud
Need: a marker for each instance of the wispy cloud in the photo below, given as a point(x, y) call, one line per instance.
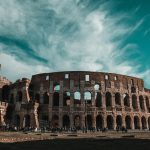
point(52, 35)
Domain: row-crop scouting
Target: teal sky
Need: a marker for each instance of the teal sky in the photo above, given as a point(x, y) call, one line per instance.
point(61, 35)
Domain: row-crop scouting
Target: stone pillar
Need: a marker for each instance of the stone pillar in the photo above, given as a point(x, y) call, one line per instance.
point(60, 120)
point(145, 107)
point(123, 120)
point(82, 120)
point(140, 123)
point(113, 102)
point(103, 101)
point(105, 120)
point(71, 120)
point(132, 122)
point(138, 103)
point(94, 120)
point(114, 122)
point(82, 93)
point(93, 98)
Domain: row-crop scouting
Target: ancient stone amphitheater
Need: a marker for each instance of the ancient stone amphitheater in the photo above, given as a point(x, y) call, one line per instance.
point(75, 99)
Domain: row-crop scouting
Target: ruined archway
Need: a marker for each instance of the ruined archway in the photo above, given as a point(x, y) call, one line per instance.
point(141, 101)
point(119, 121)
point(108, 99)
point(56, 99)
point(99, 122)
point(143, 121)
point(98, 98)
point(136, 122)
point(66, 121)
point(134, 102)
point(117, 99)
point(128, 122)
point(126, 100)
point(88, 121)
point(45, 98)
point(110, 122)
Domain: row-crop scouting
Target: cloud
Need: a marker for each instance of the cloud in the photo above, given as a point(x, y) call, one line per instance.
point(52, 35)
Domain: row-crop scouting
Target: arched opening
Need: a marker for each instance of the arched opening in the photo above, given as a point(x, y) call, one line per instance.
point(141, 100)
point(66, 121)
point(27, 121)
point(44, 121)
point(8, 116)
point(88, 97)
point(108, 99)
point(88, 121)
point(133, 89)
point(5, 93)
point(19, 96)
point(147, 104)
point(99, 122)
point(12, 98)
point(77, 98)
point(136, 122)
point(143, 120)
point(37, 98)
point(56, 99)
point(55, 121)
point(66, 98)
point(128, 122)
point(109, 122)
point(46, 98)
point(31, 91)
point(134, 102)
point(119, 121)
point(96, 87)
point(117, 99)
point(56, 87)
point(98, 98)
point(77, 121)
point(17, 121)
point(126, 100)
point(149, 123)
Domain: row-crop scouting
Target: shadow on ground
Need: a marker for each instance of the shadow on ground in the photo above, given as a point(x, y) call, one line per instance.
point(80, 144)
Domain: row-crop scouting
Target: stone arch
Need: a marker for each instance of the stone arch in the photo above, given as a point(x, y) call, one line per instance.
point(141, 101)
point(133, 89)
point(55, 121)
point(66, 98)
point(5, 93)
point(17, 121)
point(56, 87)
point(99, 122)
point(128, 122)
point(110, 122)
point(19, 96)
point(37, 98)
point(126, 100)
point(98, 98)
point(88, 121)
point(31, 91)
point(143, 121)
point(149, 123)
point(77, 121)
point(56, 99)
point(117, 98)
point(108, 99)
point(97, 87)
point(134, 102)
point(88, 97)
point(12, 98)
point(136, 122)
point(119, 121)
point(45, 98)
point(27, 121)
point(66, 121)
point(77, 97)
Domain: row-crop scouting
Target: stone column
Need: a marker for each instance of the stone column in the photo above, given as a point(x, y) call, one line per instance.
point(103, 101)
point(71, 120)
point(114, 122)
point(132, 122)
point(93, 98)
point(93, 120)
point(123, 120)
point(113, 102)
point(105, 120)
point(82, 120)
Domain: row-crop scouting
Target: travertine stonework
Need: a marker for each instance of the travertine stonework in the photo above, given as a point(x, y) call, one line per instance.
point(75, 99)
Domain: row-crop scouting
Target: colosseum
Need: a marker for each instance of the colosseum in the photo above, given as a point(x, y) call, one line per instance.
point(75, 99)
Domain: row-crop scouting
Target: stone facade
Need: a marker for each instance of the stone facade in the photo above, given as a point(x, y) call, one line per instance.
point(75, 99)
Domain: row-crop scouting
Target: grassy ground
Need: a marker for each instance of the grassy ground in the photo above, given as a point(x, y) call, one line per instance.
point(80, 144)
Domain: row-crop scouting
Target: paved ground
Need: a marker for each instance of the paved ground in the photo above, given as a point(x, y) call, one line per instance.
point(69, 141)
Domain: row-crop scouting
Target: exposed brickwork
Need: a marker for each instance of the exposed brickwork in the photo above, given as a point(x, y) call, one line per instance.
point(66, 99)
